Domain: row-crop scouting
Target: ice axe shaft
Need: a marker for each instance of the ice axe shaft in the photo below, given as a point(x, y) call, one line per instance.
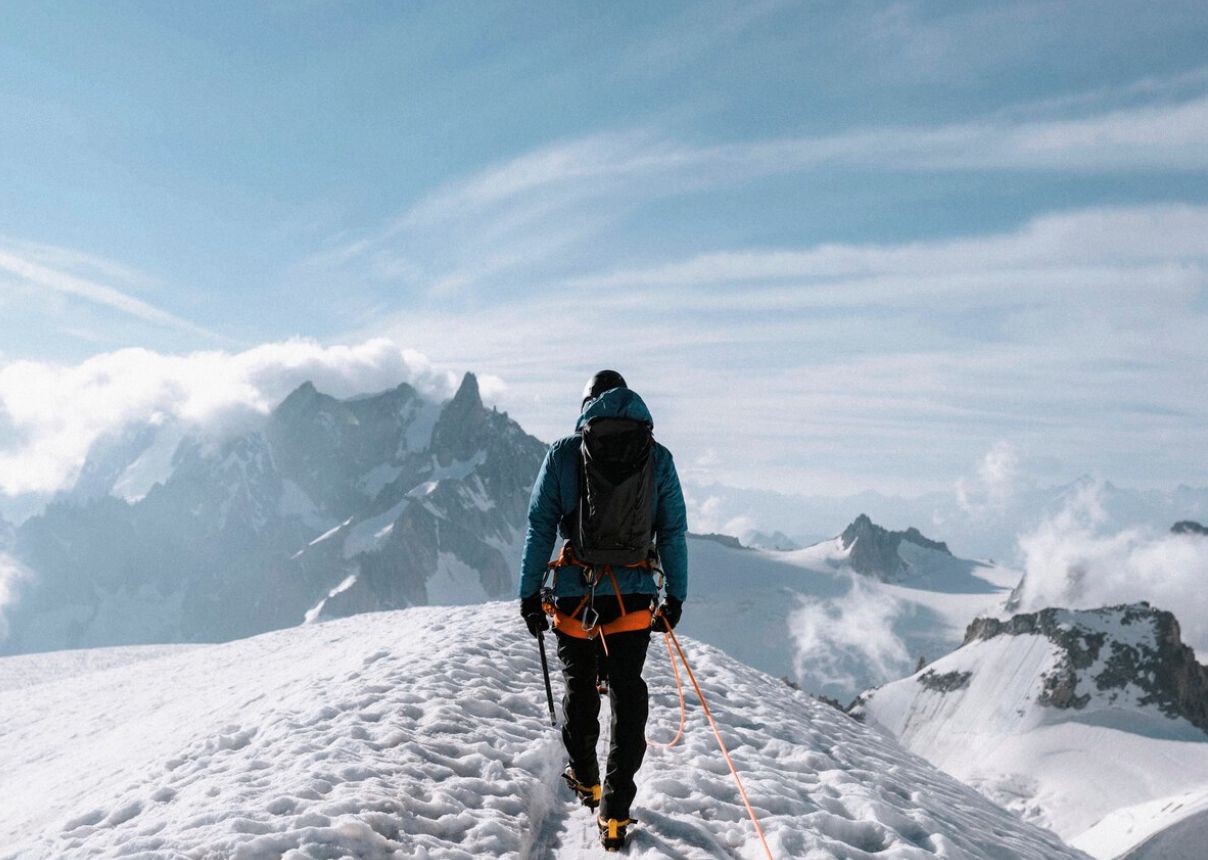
point(549, 693)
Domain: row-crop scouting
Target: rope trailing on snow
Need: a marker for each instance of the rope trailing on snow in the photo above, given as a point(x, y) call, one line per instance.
point(679, 688)
point(671, 637)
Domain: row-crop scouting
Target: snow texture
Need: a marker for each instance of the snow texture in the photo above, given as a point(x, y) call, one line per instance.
point(423, 733)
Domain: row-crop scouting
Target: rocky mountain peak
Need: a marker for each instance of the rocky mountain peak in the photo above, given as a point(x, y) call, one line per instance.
point(1188, 527)
point(467, 396)
point(873, 550)
point(301, 401)
point(461, 430)
point(1132, 653)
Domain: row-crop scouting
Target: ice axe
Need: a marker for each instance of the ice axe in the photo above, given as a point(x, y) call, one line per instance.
point(549, 693)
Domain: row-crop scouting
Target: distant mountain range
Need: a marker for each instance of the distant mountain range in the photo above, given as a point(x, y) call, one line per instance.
point(328, 507)
point(986, 532)
point(841, 614)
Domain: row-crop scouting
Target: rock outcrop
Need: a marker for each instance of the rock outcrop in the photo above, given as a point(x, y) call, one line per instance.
point(873, 550)
point(1132, 651)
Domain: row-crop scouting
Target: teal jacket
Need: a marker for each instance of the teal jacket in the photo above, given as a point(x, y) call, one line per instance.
point(556, 494)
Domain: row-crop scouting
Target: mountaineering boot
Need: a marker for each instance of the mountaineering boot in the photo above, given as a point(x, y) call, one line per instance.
point(612, 832)
point(589, 795)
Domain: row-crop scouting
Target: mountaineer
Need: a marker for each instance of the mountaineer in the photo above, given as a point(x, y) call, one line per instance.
point(612, 493)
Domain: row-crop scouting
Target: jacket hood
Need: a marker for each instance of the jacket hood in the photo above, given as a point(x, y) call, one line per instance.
point(616, 403)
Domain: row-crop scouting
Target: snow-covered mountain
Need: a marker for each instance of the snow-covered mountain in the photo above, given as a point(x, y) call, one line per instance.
point(808, 615)
point(887, 555)
point(1091, 722)
point(326, 508)
point(400, 735)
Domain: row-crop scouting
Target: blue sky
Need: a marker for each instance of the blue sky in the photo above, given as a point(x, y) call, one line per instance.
point(837, 245)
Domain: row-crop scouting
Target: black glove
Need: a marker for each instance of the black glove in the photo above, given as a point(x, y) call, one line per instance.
point(668, 615)
point(533, 614)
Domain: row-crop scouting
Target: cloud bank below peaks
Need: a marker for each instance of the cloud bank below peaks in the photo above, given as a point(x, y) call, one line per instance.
point(1072, 561)
point(51, 414)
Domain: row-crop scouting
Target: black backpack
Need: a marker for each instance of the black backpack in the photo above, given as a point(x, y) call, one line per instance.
point(614, 522)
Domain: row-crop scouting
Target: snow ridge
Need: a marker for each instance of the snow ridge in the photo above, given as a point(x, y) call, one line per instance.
point(423, 733)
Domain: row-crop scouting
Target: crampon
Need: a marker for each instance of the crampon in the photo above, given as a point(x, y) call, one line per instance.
point(612, 832)
point(589, 795)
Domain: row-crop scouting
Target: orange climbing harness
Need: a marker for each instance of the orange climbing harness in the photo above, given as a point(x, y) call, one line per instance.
point(670, 638)
point(571, 624)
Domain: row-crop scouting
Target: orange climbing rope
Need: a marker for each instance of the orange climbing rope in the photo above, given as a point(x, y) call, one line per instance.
point(679, 688)
point(671, 637)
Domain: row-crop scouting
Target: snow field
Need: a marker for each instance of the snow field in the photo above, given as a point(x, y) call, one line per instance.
point(424, 733)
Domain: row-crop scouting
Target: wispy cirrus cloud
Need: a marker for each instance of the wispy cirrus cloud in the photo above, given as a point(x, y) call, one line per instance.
point(78, 276)
point(1080, 334)
point(544, 208)
point(883, 362)
point(1084, 241)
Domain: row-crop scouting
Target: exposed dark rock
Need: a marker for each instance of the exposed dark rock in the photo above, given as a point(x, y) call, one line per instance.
point(1096, 661)
point(948, 682)
point(725, 540)
point(874, 550)
point(828, 700)
point(1189, 527)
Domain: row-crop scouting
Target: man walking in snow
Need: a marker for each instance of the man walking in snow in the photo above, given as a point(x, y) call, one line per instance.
point(612, 492)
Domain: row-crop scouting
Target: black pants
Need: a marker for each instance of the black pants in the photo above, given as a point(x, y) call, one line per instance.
point(583, 660)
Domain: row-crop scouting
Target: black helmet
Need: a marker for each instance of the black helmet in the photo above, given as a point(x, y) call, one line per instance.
point(603, 381)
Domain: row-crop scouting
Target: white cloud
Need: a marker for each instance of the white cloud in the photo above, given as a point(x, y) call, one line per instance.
point(850, 639)
point(709, 516)
point(12, 576)
point(51, 414)
point(1071, 562)
point(994, 484)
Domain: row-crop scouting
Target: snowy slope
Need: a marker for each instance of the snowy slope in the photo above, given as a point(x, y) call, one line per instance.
point(1170, 828)
point(1087, 722)
point(807, 616)
point(422, 734)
